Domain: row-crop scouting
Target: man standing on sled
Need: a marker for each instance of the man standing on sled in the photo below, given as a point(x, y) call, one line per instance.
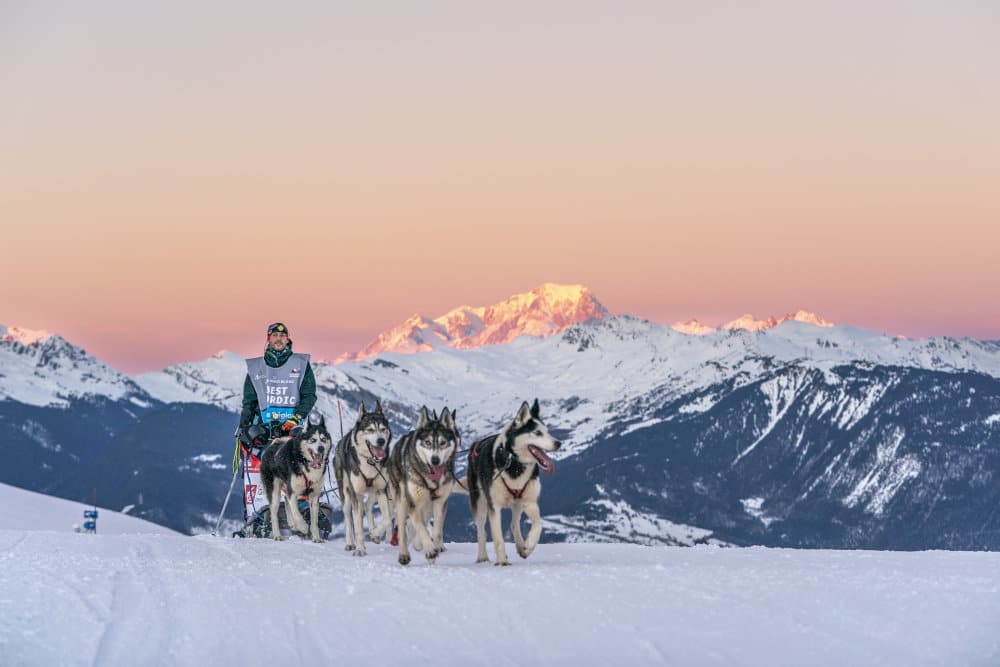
point(279, 389)
point(278, 393)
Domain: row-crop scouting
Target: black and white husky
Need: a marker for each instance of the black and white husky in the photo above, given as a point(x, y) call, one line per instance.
point(296, 465)
point(359, 465)
point(422, 472)
point(503, 473)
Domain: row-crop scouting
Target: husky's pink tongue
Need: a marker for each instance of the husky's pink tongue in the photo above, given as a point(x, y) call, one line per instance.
point(317, 461)
point(544, 462)
point(378, 453)
point(436, 473)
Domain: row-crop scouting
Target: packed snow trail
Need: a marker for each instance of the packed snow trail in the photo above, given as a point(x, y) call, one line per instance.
point(74, 599)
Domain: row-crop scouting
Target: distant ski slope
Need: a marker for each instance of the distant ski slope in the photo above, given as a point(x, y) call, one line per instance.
point(27, 510)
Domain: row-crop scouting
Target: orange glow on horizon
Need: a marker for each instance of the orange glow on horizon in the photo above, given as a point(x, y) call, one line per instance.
point(160, 203)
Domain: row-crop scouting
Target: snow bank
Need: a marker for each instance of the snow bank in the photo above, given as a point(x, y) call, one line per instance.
point(27, 510)
point(68, 599)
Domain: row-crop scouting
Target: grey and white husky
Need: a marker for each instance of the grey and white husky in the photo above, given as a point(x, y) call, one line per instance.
point(297, 464)
point(359, 466)
point(504, 473)
point(422, 472)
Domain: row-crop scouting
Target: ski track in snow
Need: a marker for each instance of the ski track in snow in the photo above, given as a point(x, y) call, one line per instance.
point(72, 599)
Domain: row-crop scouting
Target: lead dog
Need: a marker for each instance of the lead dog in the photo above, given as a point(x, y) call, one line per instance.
point(297, 464)
point(422, 473)
point(359, 466)
point(503, 473)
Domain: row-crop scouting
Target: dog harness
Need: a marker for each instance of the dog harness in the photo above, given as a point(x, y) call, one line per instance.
point(373, 462)
point(517, 493)
point(368, 482)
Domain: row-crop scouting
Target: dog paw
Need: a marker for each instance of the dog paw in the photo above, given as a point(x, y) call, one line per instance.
point(348, 547)
point(376, 540)
point(318, 540)
point(504, 563)
point(279, 538)
point(432, 554)
point(360, 552)
point(523, 552)
point(483, 559)
point(404, 559)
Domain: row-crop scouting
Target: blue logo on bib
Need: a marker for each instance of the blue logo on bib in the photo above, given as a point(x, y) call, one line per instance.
point(277, 413)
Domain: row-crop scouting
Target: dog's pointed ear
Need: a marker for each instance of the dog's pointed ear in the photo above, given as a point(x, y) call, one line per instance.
point(446, 419)
point(534, 409)
point(424, 418)
point(378, 408)
point(361, 410)
point(523, 415)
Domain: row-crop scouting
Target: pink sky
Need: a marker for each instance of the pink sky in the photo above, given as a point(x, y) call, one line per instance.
point(170, 183)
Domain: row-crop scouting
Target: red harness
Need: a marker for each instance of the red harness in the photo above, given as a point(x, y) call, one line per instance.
point(516, 493)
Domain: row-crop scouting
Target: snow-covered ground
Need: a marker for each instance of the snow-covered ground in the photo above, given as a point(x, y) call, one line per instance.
point(69, 599)
point(27, 510)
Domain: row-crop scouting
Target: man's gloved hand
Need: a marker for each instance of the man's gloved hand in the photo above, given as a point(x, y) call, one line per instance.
point(291, 423)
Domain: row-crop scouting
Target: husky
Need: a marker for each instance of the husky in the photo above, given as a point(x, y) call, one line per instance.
point(297, 464)
point(422, 473)
point(359, 466)
point(504, 473)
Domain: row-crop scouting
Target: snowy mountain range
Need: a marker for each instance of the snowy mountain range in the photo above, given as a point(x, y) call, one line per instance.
point(40, 368)
point(545, 310)
point(782, 426)
point(747, 322)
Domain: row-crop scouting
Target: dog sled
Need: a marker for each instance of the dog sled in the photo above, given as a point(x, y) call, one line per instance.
point(256, 511)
